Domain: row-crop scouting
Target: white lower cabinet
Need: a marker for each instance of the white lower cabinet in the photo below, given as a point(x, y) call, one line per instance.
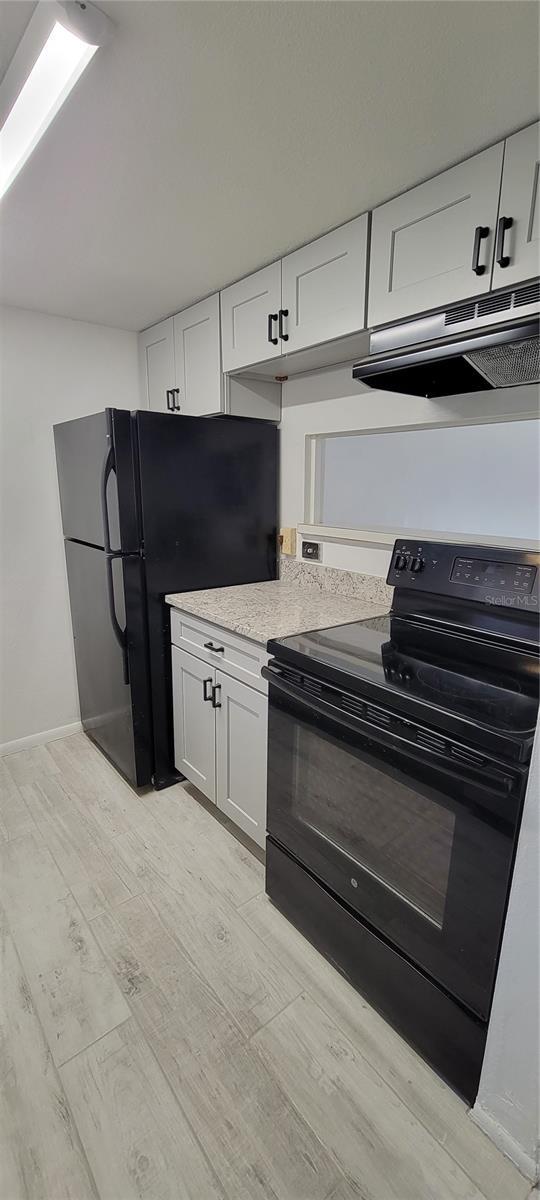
point(241, 741)
point(220, 729)
point(194, 721)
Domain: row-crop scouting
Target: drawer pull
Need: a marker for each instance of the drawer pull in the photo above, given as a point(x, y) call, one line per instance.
point(271, 318)
point(500, 257)
point(205, 684)
point(481, 231)
point(215, 649)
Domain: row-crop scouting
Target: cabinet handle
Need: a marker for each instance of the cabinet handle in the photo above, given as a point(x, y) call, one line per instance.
point(271, 318)
point(481, 231)
point(175, 403)
point(216, 688)
point(216, 649)
point(500, 257)
point(283, 312)
point(205, 683)
point(170, 401)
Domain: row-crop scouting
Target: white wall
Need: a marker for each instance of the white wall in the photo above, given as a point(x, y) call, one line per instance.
point(51, 369)
point(329, 401)
point(508, 1102)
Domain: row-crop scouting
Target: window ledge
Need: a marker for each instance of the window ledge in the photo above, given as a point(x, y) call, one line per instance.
point(386, 537)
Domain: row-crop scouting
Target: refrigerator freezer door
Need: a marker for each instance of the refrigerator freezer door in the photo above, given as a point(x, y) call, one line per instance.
point(209, 519)
point(96, 477)
point(208, 500)
point(106, 598)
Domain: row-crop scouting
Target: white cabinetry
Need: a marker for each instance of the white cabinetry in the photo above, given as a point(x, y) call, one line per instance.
point(250, 319)
point(316, 295)
point(198, 358)
point(434, 244)
point(323, 287)
point(241, 745)
point(445, 241)
point(517, 252)
point(180, 368)
point(194, 732)
point(157, 367)
point(220, 718)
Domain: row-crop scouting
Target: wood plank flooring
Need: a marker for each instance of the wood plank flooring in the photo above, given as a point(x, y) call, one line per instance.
point(167, 1035)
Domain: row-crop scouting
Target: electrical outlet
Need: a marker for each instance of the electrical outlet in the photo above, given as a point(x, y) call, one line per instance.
point(311, 550)
point(288, 541)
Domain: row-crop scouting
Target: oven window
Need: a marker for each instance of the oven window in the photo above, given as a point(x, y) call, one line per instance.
point(385, 827)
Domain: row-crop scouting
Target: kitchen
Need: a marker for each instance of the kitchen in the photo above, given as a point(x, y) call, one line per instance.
point(245, 715)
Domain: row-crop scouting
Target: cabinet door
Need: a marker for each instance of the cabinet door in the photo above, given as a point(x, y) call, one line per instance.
point(156, 362)
point(245, 311)
point(423, 243)
point(198, 358)
point(517, 255)
point(323, 286)
point(194, 721)
point(241, 728)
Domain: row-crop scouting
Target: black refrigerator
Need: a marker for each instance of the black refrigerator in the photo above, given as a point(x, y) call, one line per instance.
point(153, 503)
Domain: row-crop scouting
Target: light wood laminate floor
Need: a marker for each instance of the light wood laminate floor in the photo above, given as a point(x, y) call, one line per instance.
point(167, 1035)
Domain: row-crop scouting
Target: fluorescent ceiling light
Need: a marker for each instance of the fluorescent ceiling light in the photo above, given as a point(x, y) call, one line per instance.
point(54, 73)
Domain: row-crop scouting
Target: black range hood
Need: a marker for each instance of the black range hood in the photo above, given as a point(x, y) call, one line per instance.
point(466, 349)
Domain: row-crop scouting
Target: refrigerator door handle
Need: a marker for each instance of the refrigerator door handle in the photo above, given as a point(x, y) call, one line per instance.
point(108, 468)
point(119, 633)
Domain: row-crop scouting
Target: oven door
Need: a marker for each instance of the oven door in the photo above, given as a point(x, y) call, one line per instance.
point(413, 831)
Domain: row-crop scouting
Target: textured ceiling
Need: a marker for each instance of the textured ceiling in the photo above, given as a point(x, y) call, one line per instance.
point(208, 138)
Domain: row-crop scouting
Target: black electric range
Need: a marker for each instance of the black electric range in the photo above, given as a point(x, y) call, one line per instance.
point(398, 761)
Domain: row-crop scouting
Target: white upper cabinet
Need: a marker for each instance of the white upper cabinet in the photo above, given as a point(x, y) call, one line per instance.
point(250, 319)
point(472, 228)
point(323, 287)
point(434, 244)
point(157, 367)
point(198, 358)
point(517, 251)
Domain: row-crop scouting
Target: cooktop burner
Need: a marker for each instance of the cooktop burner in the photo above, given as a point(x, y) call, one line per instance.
point(441, 669)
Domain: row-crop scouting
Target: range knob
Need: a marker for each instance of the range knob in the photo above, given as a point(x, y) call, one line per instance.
point(417, 564)
point(400, 562)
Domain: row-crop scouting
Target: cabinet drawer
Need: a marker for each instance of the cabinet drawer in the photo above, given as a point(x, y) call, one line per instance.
point(235, 655)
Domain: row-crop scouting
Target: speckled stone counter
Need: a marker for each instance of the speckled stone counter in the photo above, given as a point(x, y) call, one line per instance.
point(329, 579)
point(261, 611)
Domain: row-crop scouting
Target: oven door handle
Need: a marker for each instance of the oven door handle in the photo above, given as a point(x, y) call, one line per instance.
point(491, 778)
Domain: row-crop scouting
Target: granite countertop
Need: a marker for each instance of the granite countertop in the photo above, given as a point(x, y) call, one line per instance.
point(261, 611)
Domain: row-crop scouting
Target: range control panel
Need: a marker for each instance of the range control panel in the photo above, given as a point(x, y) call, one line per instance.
point(501, 577)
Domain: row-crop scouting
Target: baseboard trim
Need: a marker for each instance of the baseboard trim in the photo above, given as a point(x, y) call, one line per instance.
point(525, 1163)
point(39, 739)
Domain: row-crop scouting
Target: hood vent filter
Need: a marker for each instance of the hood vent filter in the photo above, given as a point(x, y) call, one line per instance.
point(508, 365)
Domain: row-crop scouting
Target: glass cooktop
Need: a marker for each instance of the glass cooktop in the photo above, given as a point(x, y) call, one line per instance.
point(480, 682)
